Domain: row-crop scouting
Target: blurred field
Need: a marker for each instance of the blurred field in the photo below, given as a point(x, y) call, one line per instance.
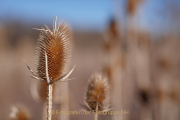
point(143, 67)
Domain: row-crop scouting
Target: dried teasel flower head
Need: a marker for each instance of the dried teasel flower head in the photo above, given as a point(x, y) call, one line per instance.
point(97, 93)
point(19, 113)
point(57, 45)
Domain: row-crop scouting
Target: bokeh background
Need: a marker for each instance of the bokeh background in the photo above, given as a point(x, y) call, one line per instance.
point(136, 42)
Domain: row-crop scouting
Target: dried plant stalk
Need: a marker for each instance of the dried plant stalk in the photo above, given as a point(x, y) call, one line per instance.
point(96, 116)
point(53, 56)
point(49, 102)
point(54, 53)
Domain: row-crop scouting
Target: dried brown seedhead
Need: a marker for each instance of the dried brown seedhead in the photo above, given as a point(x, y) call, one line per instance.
point(97, 94)
point(57, 45)
point(19, 113)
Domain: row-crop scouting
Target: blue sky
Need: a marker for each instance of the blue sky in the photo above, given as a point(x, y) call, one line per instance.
point(92, 14)
point(80, 13)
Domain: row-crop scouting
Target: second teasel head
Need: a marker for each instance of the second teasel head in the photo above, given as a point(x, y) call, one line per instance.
point(19, 112)
point(57, 45)
point(97, 92)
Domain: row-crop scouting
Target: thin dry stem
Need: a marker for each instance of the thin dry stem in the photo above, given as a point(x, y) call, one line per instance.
point(96, 116)
point(49, 101)
point(96, 113)
point(49, 90)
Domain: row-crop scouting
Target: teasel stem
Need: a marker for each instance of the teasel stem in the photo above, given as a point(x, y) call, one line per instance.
point(49, 90)
point(96, 116)
point(49, 101)
point(96, 113)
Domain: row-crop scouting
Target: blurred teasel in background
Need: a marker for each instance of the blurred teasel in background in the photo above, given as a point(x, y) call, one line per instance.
point(19, 112)
point(97, 96)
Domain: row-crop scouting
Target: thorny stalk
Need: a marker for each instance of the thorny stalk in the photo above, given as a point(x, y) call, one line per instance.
point(49, 91)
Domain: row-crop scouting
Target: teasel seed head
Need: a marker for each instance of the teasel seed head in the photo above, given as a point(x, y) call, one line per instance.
point(97, 93)
point(19, 113)
point(57, 45)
